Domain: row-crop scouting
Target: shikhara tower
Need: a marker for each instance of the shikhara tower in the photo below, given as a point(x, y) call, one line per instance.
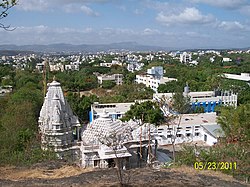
point(59, 127)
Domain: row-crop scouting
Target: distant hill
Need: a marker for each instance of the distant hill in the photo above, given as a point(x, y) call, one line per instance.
point(61, 47)
point(13, 52)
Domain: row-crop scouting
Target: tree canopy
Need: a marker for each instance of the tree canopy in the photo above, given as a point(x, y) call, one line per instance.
point(147, 112)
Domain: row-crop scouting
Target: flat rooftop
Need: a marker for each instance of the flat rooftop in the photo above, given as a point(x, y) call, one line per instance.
point(112, 107)
point(197, 119)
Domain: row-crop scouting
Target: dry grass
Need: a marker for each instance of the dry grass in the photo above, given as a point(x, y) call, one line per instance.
point(13, 173)
point(193, 172)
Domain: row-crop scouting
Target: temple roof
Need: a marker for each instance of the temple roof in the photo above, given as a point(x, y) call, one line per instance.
point(56, 110)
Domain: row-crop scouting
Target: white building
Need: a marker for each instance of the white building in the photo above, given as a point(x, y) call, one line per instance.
point(225, 59)
point(153, 78)
point(134, 66)
point(72, 67)
point(58, 126)
point(114, 110)
point(5, 90)
point(56, 67)
point(117, 78)
point(123, 140)
point(242, 77)
point(192, 128)
point(185, 57)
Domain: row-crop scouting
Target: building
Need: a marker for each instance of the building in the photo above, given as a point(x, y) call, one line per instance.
point(241, 77)
point(114, 110)
point(156, 72)
point(185, 57)
point(105, 140)
point(101, 142)
point(5, 90)
point(72, 67)
point(207, 100)
point(117, 78)
point(192, 128)
point(58, 126)
point(225, 59)
point(153, 78)
point(96, 144)
point(40, 67)
point(56, 67)
point(134, 65)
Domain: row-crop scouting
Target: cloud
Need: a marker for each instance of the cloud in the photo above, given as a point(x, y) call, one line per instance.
point(88, 11)
point(149, 31)
point(73, 8)
point(231, 26)
point(138, 11)
point(245, 10)
point(33, 5)
point(47, 5)
point(227, 4)
point(188, 16)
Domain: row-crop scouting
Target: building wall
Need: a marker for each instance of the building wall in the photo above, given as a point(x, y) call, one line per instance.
point(117, 78)
point(152, 82)
point(185, 134)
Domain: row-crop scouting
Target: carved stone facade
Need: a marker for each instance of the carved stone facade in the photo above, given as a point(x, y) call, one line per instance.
point(59, 127)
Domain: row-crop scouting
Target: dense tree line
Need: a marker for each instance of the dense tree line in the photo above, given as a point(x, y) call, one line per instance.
point(19, 111)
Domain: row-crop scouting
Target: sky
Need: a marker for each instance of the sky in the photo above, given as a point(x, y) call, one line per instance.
point(166, 23)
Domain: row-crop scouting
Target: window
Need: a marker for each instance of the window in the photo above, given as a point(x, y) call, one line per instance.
point(188, 134)
point(96, 163)
point(169, 136)
point(178, 135)
point(197, 134)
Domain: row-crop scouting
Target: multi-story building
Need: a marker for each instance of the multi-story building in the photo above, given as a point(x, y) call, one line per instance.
point(114, 110)
point(207, 100)
point(185, 57)
point(153, 78)
point(117, 78)
point(191, 128)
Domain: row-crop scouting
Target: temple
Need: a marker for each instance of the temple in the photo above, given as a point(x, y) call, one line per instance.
point(106, 139)
point(59, 127)
point(97, 144)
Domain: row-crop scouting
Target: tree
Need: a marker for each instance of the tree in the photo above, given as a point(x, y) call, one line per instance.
point(181, 105)
point(81, 105)
point(169, 87)
point(113, 141)
point(146, 112)
point(235, 123)
point(5, 5)
point(108, 84)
